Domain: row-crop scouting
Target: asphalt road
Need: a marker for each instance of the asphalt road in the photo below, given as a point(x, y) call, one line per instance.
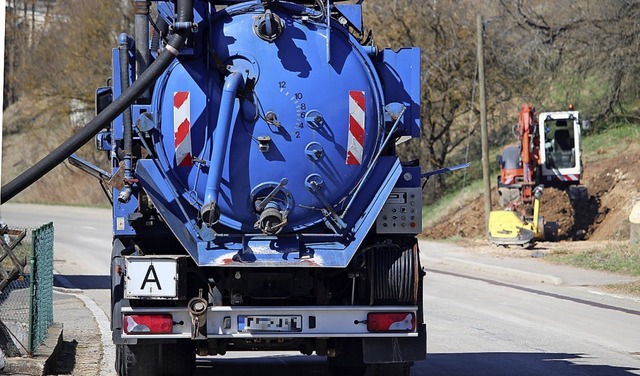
point(484, 316)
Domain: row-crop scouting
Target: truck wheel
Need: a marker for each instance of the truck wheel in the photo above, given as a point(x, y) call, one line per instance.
point(348, 358)
point(349, 361)
point(395, 369)
point(178, 359)
point(137, 360)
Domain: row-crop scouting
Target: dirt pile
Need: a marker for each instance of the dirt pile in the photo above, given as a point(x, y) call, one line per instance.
point(613, 185)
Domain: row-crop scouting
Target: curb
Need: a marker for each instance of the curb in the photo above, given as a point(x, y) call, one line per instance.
point(44, 359)
point(499, 270)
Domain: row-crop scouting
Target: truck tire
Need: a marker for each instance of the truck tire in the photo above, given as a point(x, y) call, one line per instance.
point(349, 361)
point(176, 359)
point(137, 360)
point(395, 369)
point(400, 369)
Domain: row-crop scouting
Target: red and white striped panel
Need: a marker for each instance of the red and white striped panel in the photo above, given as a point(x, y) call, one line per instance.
point(182, 127)
point(355, 142)
point(570, 177)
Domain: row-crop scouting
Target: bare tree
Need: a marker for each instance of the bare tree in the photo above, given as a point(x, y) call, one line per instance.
point(445, 32)
point(72, 54)
point(580, 52)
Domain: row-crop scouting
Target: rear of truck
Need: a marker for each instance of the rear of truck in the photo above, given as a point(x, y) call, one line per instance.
point(260, 201)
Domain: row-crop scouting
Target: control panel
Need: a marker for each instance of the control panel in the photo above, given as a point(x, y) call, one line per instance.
point(402, 212)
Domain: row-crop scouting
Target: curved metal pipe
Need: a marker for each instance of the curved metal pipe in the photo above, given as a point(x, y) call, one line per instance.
point(84, 135)
point(219, 149)
point(125, 193)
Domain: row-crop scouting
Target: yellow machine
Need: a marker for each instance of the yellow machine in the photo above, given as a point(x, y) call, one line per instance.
point(508, 227)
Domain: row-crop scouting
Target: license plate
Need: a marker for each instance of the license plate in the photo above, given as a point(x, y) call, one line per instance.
point(151, 278)
point(269, 323)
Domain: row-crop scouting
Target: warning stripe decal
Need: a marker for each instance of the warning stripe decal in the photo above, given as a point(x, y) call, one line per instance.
point(569, 177)
point(182, 127)
point(355, 141)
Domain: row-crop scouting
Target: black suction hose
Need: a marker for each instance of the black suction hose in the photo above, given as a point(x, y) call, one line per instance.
point(146, 79)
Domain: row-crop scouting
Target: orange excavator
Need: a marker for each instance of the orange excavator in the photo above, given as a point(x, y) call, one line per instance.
point(547, 155)
point(517, 171)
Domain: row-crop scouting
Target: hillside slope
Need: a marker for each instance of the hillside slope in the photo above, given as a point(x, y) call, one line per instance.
point(30, 131)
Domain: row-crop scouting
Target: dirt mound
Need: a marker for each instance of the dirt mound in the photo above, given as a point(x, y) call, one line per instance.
point(613, 186)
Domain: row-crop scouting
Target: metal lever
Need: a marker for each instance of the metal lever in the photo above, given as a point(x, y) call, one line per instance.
point(314, 183)
point(261, 204)
point(426, 175)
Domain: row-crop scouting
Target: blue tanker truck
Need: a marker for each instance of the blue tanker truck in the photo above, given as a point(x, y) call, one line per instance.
point(258, 199)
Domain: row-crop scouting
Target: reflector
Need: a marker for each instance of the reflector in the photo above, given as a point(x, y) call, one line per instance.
point(391, 322)
point(148, 324)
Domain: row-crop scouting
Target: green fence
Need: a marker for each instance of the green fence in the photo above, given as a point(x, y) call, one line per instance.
point(41, 289)
point(26, 302)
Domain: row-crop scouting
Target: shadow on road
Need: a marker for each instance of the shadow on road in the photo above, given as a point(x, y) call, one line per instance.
point(494, 364)
point(83, 282)
point(511, 363)
point(66, 360)
point(269, 365)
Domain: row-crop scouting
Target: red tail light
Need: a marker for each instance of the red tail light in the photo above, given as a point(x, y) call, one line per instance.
point(391, 322)
point(147, 324)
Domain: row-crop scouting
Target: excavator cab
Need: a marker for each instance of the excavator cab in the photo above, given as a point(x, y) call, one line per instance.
point(559, 144)
point(560, 156)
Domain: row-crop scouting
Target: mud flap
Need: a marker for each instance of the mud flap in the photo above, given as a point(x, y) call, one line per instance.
point(395, 350)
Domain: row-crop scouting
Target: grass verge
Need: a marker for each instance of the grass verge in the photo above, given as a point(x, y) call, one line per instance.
point(612, 141)
point(631, 288)
point(616, 258)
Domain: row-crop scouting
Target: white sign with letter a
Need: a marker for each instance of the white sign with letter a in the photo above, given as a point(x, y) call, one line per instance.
point(150, 277)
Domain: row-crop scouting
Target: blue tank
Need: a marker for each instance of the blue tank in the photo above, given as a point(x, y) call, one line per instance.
point(276, 121)
point(295, 117)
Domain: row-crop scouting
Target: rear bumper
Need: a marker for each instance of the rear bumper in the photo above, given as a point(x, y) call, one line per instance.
point(317, 322)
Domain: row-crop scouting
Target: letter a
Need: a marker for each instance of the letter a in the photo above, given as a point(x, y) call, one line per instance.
point(150, 278)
